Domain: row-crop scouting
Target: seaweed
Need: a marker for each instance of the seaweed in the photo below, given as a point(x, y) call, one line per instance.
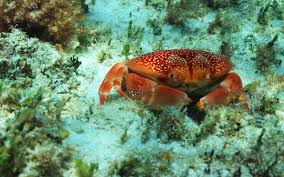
point(178, 13)
point(23, 57)
point(267, 157)
point(134, 32)
point(270, 11)
point(135, 35)
point(156, 4)
point(125, 50)
point(102, 55)
point(145, 164)
point(216, 4)
point(29, 138)
point(85, 170)
point(213, 25)
point(266, 56)
point(226, 49)
point(52, 20)
point(207, 127)
point(85, 39)
point(124, 137)
point(262, 18)
point(154, 24)
point(171, 126)
point(224, 23)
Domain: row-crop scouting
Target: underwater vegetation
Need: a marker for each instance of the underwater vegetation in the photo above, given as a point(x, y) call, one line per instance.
point(177, 13)
point(139, 164)
point(51, 20)
point(31, 139)
point(31, 144)
point(85, 170)
point(269, 11)
point(51, 123)
point(266, 60)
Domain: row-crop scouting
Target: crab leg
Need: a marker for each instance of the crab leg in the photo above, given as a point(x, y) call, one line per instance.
point(230, 90)
point(113, 79)
point(154, 95)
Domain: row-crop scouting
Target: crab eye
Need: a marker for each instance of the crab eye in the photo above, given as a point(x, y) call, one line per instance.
point(185, 85)
point(172, 76)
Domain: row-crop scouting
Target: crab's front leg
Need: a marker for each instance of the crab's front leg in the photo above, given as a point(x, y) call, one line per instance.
point(154, 95)
point(230, 90)
point(113, 79)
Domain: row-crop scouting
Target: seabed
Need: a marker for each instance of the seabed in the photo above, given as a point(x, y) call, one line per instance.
point(55, 54)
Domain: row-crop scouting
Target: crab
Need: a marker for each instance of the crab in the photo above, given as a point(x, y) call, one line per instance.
point(175, 78)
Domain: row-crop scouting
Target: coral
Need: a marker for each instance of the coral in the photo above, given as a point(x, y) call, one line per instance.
point(29, 65)
point(236, 140)
point(31, 135)
point(24, 57)
point(52, 20)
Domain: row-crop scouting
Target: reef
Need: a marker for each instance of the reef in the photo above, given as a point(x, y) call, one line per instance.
point(31, 133)
point(52, 20)
point(31, 144)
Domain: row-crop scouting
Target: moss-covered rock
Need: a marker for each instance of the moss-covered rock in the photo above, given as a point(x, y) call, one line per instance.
point(52, 20)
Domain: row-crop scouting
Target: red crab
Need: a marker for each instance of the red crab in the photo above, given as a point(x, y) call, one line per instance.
point(175, 78)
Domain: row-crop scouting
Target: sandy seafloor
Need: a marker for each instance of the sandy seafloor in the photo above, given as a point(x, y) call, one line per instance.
point(126, 139)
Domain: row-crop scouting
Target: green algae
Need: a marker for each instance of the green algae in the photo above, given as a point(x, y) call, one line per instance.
point(266, 56)
point(126, 50)
point(31, 136)
point(84, 169)
point(145, 164)
point(29, 139)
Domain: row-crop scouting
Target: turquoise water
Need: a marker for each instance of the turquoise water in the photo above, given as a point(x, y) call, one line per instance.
point(54, 56)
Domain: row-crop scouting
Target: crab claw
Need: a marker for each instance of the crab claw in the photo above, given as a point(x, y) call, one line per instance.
point(230, 90)
point(154, 95)
point(113, 79)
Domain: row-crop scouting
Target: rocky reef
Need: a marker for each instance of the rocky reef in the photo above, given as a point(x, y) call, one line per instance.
point(53, 21)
